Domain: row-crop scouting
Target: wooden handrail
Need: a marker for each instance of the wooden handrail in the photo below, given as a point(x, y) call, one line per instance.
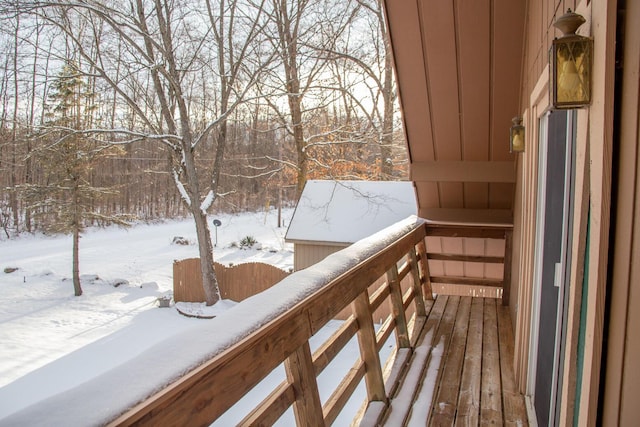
point(274, 329)
point(204, 394)
point(499, 231)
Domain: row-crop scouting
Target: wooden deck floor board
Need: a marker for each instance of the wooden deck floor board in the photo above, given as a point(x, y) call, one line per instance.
point(444, 334)
point(469, 398)
point(431, 326)
point(513, 408)
point(490, 396)
point(446, 400)
point(475, 384)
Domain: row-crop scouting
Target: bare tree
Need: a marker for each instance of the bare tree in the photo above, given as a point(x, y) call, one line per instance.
point(380, 70)
point(149, 54)
point(177, 78)
point(14, 129)
point(303, 30)
point(372, 93)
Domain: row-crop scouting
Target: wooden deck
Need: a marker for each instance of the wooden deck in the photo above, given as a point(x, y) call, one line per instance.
point(470, 346)
point(450, 358)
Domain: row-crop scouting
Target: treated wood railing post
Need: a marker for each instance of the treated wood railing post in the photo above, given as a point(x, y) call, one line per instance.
point(424, 266)
point(397, 308)
point(421, 310)
point(506, 277)
point(368, 349)
point(301, 374)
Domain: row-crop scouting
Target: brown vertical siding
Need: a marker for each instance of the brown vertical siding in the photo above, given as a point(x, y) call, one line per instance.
point(438, 19)
point(307, 254)
point(592, 193)
point(447, 57)
point(603, 30)
point(622, 385)
point(474, 61)
point(539, 35)
point(416, 108)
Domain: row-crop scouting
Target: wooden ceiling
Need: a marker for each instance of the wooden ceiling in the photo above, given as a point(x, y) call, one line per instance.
point(458, 65)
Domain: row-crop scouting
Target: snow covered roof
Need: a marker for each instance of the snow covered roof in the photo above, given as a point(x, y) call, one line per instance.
point(344, 212)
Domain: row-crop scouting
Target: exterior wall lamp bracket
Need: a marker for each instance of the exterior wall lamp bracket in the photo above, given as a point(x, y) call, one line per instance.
point(570, 60)
point(516, 136)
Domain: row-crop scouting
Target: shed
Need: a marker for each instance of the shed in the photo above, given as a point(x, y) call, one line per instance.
point(331, 215)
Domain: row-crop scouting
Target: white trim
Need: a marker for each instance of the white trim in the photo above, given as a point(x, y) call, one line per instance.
point(565, 248)
point(543, 136)
point(563, 266)
point(541, 88)
point(531, 412)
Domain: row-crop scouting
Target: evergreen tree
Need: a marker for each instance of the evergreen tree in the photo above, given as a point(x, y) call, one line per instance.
point(65, 202)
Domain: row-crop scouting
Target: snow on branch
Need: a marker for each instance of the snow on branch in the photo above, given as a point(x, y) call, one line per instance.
point(268, 173)
point(206, 203)
point(119, 136)
point(181, 189)
point(284, 162)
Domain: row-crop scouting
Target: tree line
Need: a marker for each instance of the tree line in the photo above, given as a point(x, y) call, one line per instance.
point(113, 110)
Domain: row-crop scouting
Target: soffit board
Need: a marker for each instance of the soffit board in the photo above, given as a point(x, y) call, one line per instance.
point(458, 67)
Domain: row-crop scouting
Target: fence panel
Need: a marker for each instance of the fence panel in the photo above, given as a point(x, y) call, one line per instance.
point(236, 283)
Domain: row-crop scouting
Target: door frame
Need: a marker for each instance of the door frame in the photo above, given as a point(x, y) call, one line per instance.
point(543, 137)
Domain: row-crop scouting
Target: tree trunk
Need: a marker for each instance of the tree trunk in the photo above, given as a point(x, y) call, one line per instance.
point(287, 31)
point(205, 248)
point(77, 288)
point(14, 133)
point(298, 136)
point(386, 146)
point(28, 180)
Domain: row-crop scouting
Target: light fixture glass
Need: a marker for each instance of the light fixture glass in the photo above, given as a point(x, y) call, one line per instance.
point(570, 64)
point(516, 136)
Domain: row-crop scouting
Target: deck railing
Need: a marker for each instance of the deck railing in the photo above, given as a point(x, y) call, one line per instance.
point(195, 378)
point(204, 394)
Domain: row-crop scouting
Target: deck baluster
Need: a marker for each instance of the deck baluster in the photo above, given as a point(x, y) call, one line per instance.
point(368, 349)
point(421, 310)
point(424, 267)
point(301, 373)
point(397, 308)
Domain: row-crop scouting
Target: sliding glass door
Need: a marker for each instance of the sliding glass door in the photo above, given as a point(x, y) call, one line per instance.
point(555, 184)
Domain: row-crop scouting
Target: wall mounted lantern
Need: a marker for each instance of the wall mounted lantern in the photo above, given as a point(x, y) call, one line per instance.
point(570, 64)
point(516, 136)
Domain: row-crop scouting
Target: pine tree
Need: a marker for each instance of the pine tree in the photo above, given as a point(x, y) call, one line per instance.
point(65, 203)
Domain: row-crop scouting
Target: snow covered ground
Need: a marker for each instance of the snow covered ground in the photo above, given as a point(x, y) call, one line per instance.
point(51, 341)
point(56, 348)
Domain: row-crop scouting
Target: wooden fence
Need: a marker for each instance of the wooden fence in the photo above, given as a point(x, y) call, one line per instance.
point(236, 283)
